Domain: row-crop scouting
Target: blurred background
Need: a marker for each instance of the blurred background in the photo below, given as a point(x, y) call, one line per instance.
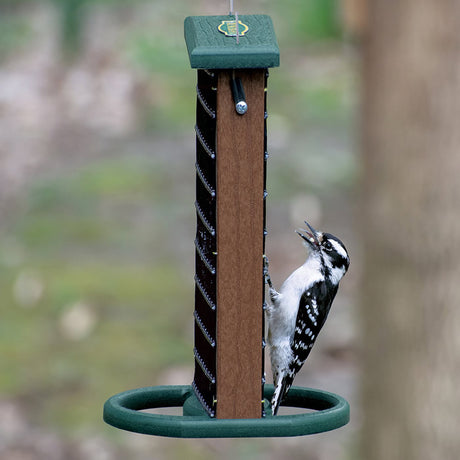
point(97, 151)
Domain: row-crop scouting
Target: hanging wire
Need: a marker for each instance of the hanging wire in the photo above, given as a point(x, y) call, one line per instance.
point(237, 29)
point(235, 13)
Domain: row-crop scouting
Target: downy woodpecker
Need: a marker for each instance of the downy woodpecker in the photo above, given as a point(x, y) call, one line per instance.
point(300, 308)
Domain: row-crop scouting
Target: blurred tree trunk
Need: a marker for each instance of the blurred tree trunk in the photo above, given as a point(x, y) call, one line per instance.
point(71, 17)
point(411, 231)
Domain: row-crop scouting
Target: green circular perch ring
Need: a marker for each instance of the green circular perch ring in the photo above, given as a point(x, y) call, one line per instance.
point(124, 411)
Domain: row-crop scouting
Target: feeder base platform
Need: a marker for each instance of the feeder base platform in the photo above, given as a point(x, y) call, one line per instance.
point(124, 411)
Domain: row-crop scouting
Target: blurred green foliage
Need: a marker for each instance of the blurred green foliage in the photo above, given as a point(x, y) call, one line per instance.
point(71, 16)
point(307, 21)
point(81, 238)
point(15, 33)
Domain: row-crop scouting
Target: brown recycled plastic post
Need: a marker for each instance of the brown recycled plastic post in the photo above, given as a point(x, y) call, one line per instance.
point(240, 230)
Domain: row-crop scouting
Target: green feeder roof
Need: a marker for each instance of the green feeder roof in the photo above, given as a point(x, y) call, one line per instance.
point(212, 42)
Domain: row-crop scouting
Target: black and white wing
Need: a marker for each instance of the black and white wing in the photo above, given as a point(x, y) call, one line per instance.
point(314, 306)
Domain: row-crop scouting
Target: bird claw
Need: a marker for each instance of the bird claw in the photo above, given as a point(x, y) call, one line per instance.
point(266, 273)
point(273, 295)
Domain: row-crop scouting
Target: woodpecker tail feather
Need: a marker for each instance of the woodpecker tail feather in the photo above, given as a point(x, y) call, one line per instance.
point(280, 392)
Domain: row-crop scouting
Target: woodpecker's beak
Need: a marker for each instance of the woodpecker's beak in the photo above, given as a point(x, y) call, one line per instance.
point(310, 237)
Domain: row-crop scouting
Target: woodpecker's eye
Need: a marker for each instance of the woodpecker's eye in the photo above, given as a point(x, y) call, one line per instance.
point(327, 245)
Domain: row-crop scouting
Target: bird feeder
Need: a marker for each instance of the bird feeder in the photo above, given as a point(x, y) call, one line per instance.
point(228, 396)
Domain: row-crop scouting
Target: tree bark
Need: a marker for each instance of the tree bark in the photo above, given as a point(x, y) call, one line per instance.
point(411, 231)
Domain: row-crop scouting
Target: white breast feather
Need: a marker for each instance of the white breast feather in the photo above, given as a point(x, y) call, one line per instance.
point(283, 314)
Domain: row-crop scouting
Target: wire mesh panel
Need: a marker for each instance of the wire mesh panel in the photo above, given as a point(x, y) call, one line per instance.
point(204, 382)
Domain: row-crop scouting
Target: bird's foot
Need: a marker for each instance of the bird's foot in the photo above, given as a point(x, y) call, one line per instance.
point(266, 273)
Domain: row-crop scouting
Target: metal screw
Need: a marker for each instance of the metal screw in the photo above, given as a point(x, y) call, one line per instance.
point(241, 107)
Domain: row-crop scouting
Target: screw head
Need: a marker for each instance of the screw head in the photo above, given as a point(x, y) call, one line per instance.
point(241, 107)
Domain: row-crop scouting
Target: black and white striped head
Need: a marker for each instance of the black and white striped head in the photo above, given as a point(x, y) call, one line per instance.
point(329, 249)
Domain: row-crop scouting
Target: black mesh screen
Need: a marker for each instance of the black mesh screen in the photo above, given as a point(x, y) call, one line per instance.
point(204, 382)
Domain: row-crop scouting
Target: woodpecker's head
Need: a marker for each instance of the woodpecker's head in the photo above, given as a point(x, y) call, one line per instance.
point(328, 248)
